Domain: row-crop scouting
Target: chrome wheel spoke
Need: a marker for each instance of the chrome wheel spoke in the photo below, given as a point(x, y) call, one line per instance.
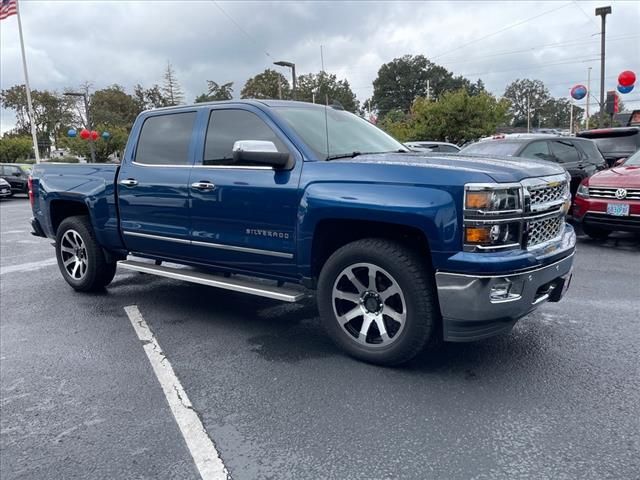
point(75, 269)
point(364, 330)
point(372, 279)
point(396, 316)
point(355, 281)
point(350, 315)
point(69, 260)
point(66, 249)
point(351, 297)
point(389, 292)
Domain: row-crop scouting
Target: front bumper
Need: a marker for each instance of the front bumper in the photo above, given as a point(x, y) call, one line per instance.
point(479, 306)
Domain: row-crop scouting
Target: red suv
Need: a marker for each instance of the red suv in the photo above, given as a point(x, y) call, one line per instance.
point(610, 200)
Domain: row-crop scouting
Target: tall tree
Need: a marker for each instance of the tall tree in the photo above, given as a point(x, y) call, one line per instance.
point(216, 92)
point(323, 87)
point(150, 97)
point(402, 80)
point(113, 107)
point(556, 113)
point(171, 89)
point(52, 112)
point(268, 84)
point(527, 95)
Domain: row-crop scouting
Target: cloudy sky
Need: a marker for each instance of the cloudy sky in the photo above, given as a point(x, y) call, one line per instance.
point(129, 42)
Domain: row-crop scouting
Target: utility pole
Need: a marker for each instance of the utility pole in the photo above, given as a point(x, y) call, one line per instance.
point(292, 66)
point(602, 12)
point(571, 120)
point(528, 115)
point(588, 95)
point(428, 89)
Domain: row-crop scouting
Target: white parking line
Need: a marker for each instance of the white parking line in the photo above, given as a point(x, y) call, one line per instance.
point(203, 451)
point(27, 267)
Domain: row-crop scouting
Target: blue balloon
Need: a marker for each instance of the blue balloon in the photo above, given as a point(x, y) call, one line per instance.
point(72, 132)
point(623, 89)
point(105, 135)
point(578, 92)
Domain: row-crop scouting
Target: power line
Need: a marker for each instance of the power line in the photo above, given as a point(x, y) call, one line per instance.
point(250, 37)
point(517, 24)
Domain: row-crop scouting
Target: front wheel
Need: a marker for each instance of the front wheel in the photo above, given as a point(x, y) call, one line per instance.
point(80, 259)
point(377, 301)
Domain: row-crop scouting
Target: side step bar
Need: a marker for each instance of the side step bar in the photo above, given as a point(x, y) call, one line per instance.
point(252, 287)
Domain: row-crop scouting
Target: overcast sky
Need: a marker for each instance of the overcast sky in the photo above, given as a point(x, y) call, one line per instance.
point(129, 42)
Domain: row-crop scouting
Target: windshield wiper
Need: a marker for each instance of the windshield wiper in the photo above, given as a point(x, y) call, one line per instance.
point(343, 155)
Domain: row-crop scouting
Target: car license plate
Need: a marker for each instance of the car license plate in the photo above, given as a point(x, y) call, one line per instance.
point(618, 209)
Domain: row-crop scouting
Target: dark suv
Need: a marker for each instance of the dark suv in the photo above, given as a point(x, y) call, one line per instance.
point(615, 143)
point(16, 177)
point(579, 156)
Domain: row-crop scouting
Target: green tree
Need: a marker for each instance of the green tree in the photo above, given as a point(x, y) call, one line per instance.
point(15, 148)
point(556, 113)
point(324, 87)
point(171, 89)
point(150, 98)
point(216, 92)
point(398, 124)
point(268, 84)
point(402, 80)
point(456, 117)
point(104, 148)
point(527, 95)
point(52, 112)
point(113, 107)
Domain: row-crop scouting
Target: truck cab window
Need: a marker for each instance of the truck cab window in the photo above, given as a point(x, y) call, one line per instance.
point(165, 139)
point(227, 127)
point(564, 152)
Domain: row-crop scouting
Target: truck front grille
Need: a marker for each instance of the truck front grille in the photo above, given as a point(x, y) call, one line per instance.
point(545, 230)
point(548, 194)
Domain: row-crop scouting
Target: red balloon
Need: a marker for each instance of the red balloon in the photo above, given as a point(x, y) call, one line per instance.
point(85, 134)
point(627, 78)
point(94, 135)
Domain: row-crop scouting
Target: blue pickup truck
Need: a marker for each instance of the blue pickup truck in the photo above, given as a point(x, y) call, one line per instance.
point(279, 199)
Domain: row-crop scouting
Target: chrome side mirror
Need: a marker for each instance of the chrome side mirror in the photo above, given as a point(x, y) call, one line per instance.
point(259, 151)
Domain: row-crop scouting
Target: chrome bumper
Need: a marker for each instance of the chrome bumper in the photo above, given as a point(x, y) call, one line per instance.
point(479, 306)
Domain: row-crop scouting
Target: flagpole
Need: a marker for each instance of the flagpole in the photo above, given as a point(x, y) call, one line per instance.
point(26, 83)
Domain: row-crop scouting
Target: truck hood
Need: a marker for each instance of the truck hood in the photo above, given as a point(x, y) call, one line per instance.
point(500, 169)
point(617, 177)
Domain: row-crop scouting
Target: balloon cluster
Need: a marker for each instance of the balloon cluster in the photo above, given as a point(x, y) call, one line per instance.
point(86, 134)
point(626, 81)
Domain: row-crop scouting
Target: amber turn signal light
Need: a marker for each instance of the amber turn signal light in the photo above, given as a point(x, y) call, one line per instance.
point(477, 235)
point(478, 200)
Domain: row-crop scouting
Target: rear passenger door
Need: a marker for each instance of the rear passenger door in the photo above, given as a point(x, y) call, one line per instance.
point(246, 219)
point(567, 155)
point(153, 190)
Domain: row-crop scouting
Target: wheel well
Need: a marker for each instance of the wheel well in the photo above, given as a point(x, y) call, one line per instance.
point(61, 209)
point(330, 235)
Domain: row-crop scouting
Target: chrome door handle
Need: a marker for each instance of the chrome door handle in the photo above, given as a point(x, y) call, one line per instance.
point(203, 185)
point(129, 182)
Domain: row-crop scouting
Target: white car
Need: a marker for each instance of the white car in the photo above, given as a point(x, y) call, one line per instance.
point(427, 146)
point(5, 188)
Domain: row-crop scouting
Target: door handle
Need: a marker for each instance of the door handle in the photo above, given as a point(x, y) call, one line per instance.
point(129, 182)
point(203, 186)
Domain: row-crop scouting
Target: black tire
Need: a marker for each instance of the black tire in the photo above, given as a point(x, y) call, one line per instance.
point(95, 273)
point(409, 272)
point(595, 232)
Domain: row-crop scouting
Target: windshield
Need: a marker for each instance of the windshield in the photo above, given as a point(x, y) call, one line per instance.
point(633, 160)
point(493, 147)
point(347, 132)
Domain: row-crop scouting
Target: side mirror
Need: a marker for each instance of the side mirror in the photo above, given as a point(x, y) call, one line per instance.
point(619, 162)
point(259, 151)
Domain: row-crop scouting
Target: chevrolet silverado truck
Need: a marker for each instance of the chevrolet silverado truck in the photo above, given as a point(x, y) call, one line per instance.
point(280, 199)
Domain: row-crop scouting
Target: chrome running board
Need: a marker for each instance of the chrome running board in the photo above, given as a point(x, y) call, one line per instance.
point(244, 285)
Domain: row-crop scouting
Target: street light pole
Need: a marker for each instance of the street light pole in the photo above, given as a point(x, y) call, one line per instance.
point(92, 147)
point(292, 66)
point(602, 12)
point(588, 94)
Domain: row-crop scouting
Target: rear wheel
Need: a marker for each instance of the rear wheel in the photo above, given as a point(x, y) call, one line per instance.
point(595, 232)
point(377, 301)
point(80, 259)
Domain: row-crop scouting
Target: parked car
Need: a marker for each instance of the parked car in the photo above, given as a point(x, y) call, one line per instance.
point(5, 188)
point(403, 250)
point(440, 147)
point(16, 177)
point(610, 200)
point(580, 157)
point(615, 143)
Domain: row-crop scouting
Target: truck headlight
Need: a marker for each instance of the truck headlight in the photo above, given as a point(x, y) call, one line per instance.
point(583, 191)
point(493, 235)
point(492, 200)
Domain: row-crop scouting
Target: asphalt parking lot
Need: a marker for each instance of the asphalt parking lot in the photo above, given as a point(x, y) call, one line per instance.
point(557, 398)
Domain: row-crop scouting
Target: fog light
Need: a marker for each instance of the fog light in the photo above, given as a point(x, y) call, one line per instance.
point(505, 291)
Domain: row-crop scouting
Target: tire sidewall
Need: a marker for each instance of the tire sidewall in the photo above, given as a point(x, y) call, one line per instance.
point(414, 326)
point(89, 280)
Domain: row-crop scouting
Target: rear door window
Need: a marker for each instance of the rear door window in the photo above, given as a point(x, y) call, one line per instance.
point(165, 139)
point(591, 151)
point(564, 151)
point(537, 151)
point(493, 147)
